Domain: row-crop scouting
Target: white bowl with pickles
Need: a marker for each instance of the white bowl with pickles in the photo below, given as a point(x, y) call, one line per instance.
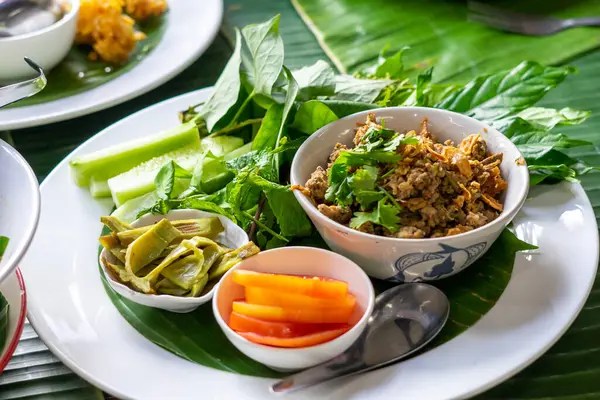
point(172, 261)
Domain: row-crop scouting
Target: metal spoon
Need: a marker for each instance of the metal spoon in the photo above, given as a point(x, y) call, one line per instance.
point(405, 318)
point(19, 17)
point(19, 91)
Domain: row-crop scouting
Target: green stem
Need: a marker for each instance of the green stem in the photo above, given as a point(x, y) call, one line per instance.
point(389, 196)
point(241, 109)
point(234, 128)
point(263, 226)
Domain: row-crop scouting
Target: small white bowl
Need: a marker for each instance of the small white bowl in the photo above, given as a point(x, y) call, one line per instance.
point(232, 237)
point(19, 206)
point(297, 261)
point(411, 260)
point(47, 47)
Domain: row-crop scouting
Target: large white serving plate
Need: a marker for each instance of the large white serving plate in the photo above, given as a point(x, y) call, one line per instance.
point(191, 27)
point(72, 313)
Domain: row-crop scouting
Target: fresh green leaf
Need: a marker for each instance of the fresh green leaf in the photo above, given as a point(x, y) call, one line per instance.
point(539, 173)
point(211, 174)
point(227, 88)
point(269, 128)
point(349, 88)
point(493, 97)
point(290, 216)
point(417, 97)
point(354, 158)
point(386, 67)
point(289, 145)
point(312, 116)
point(364, 178)
point(165, 179)
point(548, 118)
point(366, 198)
point(3, 245)
point(266, 49)
point(196, 203)
point(384, 215)
point(399, 139)
point(536, 144)
point(343, 108)
point(315, 80)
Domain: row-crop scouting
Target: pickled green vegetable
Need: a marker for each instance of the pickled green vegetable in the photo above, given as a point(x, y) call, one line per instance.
point(208, 227)
point(150, 245)
point(233, 258)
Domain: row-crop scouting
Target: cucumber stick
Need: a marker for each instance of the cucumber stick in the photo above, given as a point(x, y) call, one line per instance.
point(140, 180)
point(112, 161)
point(99, 188)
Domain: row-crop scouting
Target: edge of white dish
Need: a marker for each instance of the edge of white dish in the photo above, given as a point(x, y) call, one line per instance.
point(18, 245)
point(16, 295)
point(165, 301)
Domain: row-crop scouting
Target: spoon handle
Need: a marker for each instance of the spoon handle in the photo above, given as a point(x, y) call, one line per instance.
point(342, 365)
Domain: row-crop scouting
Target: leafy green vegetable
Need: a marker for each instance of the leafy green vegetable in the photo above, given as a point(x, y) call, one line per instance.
point(266, 49)
point(387, 67)
point(269, 128)
point(227, 88)
point(165, 179)
point(3, 245)
point(548, 118)
point(315, 80)
point(492, 97)
point(312, 116)
point(358, 90)
point(385, 215)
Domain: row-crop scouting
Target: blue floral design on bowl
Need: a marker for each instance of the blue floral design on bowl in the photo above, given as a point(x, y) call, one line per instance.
point(414, 267)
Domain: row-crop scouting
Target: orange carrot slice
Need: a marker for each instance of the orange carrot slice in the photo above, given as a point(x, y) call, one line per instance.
point(269, 297)
point(308, 286)
point(243, 323)
point(326, 315)
point(301, 341)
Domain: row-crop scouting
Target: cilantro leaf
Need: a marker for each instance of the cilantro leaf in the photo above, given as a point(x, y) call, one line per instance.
point(384, 215)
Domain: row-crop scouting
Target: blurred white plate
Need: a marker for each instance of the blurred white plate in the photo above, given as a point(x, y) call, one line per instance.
point(192, 26)
point(19, 206)
point(72, 313)
point(13, 289)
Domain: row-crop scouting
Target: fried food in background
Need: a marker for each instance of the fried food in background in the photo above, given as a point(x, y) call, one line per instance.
point(111, 33)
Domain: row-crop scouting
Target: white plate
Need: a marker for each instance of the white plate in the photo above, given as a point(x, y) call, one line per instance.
point(19, 206)
point(13, 290)
point(71, 312)
point(191, 27)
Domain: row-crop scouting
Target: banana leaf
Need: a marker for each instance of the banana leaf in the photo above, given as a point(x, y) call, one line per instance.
point(196, 336)
point(353, 32)
point(77, 73)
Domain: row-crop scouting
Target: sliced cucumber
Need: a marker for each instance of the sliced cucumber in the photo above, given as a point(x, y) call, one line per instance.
point(140, 180)
point(129, 210)
point(221, 145)
point(99, 188)
point(112, 161)
point(240, 151)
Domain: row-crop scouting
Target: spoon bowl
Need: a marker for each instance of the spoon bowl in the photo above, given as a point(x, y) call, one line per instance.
point(405, 319)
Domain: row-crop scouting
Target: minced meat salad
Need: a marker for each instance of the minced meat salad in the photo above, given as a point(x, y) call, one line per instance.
point(409, 185)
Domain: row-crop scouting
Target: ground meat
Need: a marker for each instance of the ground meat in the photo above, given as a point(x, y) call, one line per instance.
point(336, 213)
point(442, 189)
point(336, 152)
point(317, 184)
point(410, 232)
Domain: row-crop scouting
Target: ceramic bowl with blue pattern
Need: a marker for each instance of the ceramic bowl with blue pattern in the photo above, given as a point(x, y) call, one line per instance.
point(410, 260)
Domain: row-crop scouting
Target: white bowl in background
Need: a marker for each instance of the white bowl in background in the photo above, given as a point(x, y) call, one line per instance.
point(411, 260)
point(232, 237)
point(19, 206)
point(309, 261)
point(47, 47)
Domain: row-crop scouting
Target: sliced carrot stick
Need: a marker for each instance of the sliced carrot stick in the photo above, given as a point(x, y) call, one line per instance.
point(309, 286)
point(326, 315)
point(279, 298)
point(301, 341)
point(243, 323)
